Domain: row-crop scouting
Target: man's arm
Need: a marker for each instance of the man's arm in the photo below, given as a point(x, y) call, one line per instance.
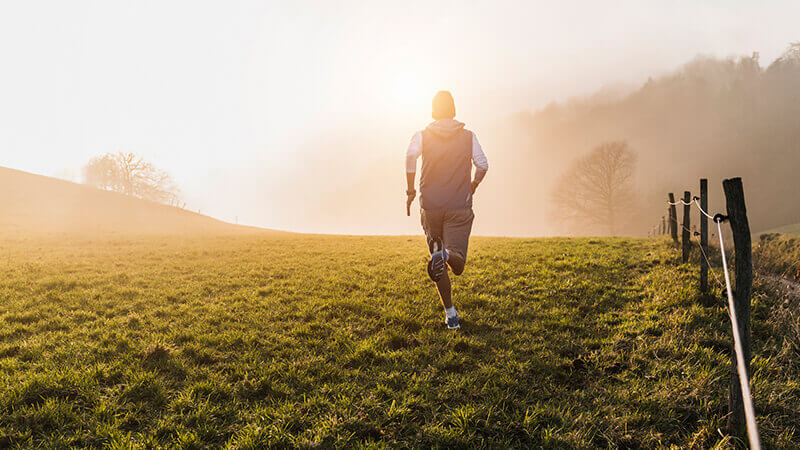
point(411, 193)
point(413, 152)
point(480, 162)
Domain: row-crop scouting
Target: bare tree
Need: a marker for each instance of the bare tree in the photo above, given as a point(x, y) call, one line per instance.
point(129, 174)
point(101, 172)
point(595, 193)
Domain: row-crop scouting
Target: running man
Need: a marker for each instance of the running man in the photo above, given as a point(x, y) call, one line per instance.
point(446, 187)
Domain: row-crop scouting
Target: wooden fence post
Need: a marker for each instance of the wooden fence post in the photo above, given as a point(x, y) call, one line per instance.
point(704, 235)
point(743, 261)
point(663, 225)
point(673, 219)
point(686, 236)
point(666, 223)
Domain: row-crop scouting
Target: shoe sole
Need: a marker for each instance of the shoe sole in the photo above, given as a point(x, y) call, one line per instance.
point(436, 267)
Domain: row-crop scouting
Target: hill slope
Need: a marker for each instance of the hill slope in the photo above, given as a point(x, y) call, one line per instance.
point(35, 203)
point(787, 229)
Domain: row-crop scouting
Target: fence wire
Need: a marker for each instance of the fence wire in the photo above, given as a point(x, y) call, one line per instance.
point(679, 202)
point(701, 209)
point(708, 262)
point(744, 379)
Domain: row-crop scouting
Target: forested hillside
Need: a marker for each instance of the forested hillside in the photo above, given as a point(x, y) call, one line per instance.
point(713, 118)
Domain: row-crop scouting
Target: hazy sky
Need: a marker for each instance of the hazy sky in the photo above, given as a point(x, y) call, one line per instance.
point(226, 94)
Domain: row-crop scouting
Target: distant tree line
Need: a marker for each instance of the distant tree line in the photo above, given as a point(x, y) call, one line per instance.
point(713, 118)
point(129, 174)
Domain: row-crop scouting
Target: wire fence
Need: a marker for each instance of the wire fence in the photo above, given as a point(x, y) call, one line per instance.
point(679, 202)
point(708, 262)
point(744, 379)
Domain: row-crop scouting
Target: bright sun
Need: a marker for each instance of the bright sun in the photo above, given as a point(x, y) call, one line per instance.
point(412, 91)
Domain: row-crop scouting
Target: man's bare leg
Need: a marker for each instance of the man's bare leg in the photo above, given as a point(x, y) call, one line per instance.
point(456, 262)
point(438, 264)
point(445, 293)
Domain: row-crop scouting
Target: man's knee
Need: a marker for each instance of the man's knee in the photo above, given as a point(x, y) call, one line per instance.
point(456, 263)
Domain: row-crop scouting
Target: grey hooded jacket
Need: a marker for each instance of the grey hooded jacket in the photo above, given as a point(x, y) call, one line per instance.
point(448, 151)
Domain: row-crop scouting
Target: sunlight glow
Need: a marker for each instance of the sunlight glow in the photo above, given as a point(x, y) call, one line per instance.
point(412, 91)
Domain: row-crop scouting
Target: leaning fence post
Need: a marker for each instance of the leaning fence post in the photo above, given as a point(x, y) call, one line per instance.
point(737, 214)
point(686, 235)
point(673, 218)
point(704, 235)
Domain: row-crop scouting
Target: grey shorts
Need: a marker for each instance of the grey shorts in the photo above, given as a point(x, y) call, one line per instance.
point(452, 226)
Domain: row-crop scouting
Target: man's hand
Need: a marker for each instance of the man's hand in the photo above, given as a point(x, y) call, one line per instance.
point(410, 196)
point(479, 174)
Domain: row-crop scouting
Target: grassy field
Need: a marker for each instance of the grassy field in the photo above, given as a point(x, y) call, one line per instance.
point(779, 255)
point(248, 341)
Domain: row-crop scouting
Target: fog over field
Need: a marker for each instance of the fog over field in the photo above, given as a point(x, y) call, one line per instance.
point(296, 116)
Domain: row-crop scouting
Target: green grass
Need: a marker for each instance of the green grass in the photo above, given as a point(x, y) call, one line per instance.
point(297, 341)
point(778, 255)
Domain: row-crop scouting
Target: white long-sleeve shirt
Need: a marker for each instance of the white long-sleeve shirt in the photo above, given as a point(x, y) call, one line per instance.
point(415, 150)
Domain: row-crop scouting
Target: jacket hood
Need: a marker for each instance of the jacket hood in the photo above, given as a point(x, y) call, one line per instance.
point(445, 127)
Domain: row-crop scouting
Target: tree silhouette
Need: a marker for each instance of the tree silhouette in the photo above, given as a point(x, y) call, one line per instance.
point(129, 174)
point(595, 193)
